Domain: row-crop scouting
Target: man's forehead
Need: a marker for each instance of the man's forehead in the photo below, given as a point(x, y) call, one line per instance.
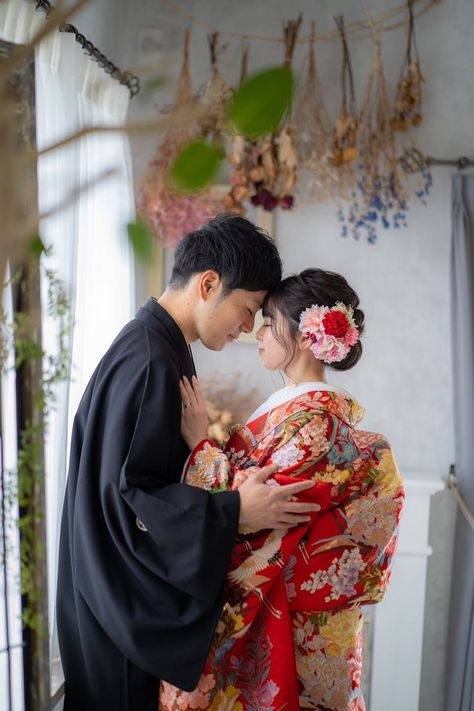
point(251, 298)
point(257, 297)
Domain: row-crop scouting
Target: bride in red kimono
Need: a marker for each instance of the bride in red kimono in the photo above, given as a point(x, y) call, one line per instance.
point(289, 636)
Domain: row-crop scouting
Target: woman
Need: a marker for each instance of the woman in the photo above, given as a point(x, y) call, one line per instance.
point(290, 632)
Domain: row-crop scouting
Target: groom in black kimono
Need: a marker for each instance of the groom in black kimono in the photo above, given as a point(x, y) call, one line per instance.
point(143, 558)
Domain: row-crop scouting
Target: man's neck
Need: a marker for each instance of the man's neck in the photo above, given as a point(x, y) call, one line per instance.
point(178, 303)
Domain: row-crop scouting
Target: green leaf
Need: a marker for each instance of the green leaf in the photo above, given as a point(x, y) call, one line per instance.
point(141, 240)
point(195, 166)
point(149, 87)
point(259, 105)
point(36, 247)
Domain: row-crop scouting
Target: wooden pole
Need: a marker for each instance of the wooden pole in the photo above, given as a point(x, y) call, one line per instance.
point(18, 228)
point(31, 486)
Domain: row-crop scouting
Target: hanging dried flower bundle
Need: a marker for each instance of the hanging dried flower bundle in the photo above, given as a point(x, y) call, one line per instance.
point(379, 196)
point(355, 157)
point(241, 157)
point(345, 131)
point(265, 170)
point(183, 101)
point(407, 110)
point(169, 214)
point(214, 97)
point(313, 135)
point(287, 158)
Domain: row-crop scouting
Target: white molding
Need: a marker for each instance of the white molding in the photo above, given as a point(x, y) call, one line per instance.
point(397, 640)
point(423, 483)
point(423, 551)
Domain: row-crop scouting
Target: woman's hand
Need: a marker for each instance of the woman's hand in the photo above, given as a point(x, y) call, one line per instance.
point(193, 412)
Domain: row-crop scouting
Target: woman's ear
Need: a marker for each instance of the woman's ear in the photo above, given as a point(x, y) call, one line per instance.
point(303, 342)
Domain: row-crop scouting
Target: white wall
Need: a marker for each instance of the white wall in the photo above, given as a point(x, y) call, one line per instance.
point(404, 379)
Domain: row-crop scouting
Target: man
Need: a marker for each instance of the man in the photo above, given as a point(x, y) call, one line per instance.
point(143, 558)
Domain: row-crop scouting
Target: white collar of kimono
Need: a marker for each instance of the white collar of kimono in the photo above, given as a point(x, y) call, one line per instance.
point(290, 392)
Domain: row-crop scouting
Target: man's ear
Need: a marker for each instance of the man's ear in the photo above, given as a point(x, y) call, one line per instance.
point(208, 284)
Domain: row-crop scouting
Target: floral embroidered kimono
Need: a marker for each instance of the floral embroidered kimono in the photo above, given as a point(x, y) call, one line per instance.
point(289, 636)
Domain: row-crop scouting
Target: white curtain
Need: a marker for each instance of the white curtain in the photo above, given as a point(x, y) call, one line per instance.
point(460, 664)
point(86, 195)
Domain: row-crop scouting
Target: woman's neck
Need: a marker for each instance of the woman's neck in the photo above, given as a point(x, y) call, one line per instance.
point(304, 371)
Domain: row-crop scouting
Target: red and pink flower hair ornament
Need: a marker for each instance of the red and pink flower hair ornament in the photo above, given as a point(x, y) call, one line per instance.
point(332, 331)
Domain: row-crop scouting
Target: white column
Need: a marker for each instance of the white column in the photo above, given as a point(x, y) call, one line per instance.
point(398, 620)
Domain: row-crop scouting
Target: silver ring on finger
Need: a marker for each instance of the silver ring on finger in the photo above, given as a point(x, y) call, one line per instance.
point(187, 404)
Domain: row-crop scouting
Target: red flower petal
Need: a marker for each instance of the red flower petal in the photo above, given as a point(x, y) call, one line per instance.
point(335, 324)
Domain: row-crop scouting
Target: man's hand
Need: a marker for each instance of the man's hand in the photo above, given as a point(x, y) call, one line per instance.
point(263, 506)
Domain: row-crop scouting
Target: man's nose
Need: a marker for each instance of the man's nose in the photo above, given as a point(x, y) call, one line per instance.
point(247, 325)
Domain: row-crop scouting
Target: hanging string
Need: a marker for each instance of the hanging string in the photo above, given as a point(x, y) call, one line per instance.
point(184, 92)
point(359, 29)
point(411, 34)
point(244, 63)
point(347, 76)
point(411, 40)
point(290, 36)
point(212, 41)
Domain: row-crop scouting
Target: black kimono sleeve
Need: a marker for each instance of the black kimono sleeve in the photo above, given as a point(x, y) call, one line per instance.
point(201, 529)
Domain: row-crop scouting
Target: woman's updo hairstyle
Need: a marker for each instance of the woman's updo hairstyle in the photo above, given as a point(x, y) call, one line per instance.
point(312, 286)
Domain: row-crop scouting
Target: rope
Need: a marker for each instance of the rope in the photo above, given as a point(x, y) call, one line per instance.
point(359, 29)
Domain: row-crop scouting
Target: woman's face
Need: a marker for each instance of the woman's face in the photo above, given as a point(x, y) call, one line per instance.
point(273, 354)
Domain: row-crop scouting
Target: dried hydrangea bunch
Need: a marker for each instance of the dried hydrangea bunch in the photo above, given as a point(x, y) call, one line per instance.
point(170, 214)
point(379, 197)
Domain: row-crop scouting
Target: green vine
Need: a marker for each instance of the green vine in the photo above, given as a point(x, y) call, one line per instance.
point(21, 485)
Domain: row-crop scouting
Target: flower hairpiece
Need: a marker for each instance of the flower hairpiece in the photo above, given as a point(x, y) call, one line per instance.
point(332, 331)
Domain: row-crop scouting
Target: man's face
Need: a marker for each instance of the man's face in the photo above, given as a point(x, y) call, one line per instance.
point(223, 318)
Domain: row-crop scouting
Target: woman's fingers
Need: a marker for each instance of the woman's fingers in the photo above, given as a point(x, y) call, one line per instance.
point(191, 397)
point(198, 392)
point(184, 394)
point(196, 387)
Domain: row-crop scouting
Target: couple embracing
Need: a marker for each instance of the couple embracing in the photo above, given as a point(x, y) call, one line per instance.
point(195, 576)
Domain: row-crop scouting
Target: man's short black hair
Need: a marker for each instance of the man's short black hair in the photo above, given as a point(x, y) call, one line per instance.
point(243, 255)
